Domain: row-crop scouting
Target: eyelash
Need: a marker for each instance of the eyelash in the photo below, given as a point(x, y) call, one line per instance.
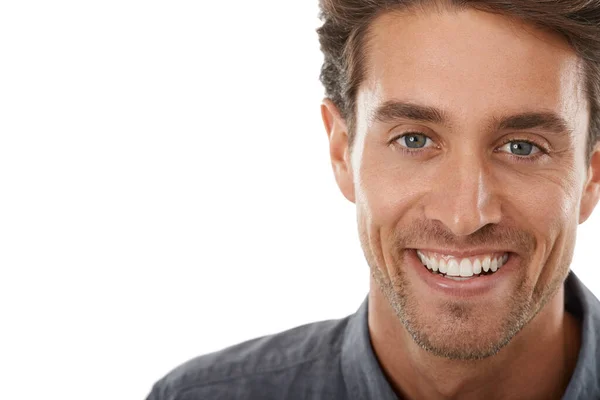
point(524, 159)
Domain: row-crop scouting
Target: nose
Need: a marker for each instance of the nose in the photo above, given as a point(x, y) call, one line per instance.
point(464, 196)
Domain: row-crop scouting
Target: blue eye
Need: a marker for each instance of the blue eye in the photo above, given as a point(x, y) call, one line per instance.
point(520, 148)
point(414, 140)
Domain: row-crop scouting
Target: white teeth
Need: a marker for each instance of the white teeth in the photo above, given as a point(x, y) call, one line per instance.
point(453, 268)
point(500, 261)
point(494, 265)
point(434, 264)
point(466, 268)
point(477, 267)
point(486, 264)
point(443, 266)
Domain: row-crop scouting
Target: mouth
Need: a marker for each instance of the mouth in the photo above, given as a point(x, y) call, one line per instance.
point(462, 268)
point(462, 275)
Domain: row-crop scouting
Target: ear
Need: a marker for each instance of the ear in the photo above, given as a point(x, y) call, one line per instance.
point(337, 132)
point(591, 191)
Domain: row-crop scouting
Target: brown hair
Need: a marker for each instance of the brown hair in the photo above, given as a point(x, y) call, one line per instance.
point(346, 23)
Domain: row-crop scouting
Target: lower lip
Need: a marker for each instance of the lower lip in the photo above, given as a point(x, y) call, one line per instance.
point(475, 286)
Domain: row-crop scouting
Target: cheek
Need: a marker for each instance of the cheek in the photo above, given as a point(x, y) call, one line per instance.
point(546, 206)
point(389, 190)
point(544, 203)
point(385, 195)
point(384, 199)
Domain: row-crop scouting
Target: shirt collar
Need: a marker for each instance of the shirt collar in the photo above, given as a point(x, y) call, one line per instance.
point(362, 373)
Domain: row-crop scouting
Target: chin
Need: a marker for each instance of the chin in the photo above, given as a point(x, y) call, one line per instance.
point(465, 337)
point(461, 330)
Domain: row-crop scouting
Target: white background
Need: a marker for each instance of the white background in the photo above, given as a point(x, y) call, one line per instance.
point(165, 190)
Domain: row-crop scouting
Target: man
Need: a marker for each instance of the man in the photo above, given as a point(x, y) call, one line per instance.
point(467, 135)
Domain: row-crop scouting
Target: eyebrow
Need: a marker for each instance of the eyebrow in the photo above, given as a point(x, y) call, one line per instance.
point(547, 121)
point(392, 110)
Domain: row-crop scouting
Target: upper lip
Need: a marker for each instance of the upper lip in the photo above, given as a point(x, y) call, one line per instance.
point(461, 253)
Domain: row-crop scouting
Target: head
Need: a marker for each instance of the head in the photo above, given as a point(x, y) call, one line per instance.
point(465, 127)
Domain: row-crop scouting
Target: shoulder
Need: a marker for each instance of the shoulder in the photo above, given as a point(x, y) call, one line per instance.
point(265, 367)
point(581, 303)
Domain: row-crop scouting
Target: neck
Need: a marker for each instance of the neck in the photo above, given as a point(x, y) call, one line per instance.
point(537, 363)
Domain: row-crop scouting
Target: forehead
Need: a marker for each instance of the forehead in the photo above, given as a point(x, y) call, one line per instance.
point(470, 63)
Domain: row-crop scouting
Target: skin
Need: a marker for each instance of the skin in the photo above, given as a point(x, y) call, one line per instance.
point(463, 189)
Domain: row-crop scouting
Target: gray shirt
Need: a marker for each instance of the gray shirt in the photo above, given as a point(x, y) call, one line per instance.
point(334, 360)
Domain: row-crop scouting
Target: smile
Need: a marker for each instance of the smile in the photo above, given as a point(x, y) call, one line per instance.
point(460, 268)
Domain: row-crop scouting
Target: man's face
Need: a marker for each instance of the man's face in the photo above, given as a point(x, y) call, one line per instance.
point(470, 151)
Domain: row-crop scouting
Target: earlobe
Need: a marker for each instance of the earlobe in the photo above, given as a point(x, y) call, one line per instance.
point(337, 133)
point(591, 191)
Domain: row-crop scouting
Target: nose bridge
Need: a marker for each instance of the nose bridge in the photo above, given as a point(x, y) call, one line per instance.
point(464, 200)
